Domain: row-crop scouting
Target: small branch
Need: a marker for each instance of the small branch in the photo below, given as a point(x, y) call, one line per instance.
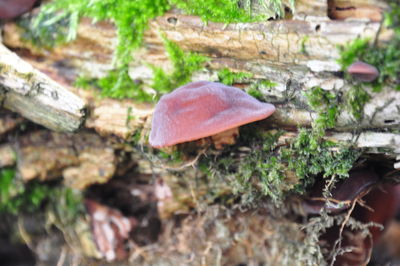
point(37, 97)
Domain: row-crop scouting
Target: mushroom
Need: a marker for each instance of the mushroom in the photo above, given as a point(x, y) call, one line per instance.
point(110, 229)
point(364, 183)
point(202, 109)
point(345, 191)
point(10, 9)
point(363, 71)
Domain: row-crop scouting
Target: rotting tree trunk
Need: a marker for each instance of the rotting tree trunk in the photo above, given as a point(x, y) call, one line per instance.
point(296, 54)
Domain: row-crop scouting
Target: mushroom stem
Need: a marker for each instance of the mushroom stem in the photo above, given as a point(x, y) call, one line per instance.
point(227, 137)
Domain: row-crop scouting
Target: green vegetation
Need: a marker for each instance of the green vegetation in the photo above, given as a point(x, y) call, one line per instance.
point(264, 168)
point(325, 103)
point(385, 57)
point(48, 31)
point(303, 42)
point(58, 22)
point(130, 18)
point(118, 84)
point(355, 99)
point(254, 89)
point(226, 11)
point(314, 155)
point(184, 65)
point(17, 197)
point(228, 77)
point(309, 156)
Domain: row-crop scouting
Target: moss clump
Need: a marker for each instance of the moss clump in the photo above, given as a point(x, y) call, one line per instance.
point(228, 77)
point(184, 65)
point(130, 18)
point(314, 155)
point(250, 173)
point(226, 11)
point(258, 167)
point(48, 31)
point(118, 84)
point(17, 197)
point(309, 156)
point(255, 88)
point(325, 103)
point(59, 19)
point(355, 99)
point(58, 22)
point(385, 58)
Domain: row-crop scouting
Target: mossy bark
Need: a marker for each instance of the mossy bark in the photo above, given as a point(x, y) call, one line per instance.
point(296, 54)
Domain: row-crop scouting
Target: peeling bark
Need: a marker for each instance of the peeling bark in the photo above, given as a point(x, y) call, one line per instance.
point(35, 96)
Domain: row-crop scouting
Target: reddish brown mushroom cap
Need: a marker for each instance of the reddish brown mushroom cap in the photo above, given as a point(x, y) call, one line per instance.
point(202, 109)
point(363, 71)
point(10, 9)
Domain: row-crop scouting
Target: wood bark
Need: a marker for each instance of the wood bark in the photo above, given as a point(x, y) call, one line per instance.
point(296, 54)
point(37, 97)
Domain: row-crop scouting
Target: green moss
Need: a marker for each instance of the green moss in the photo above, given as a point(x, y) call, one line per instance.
point(264, 169)
point(228, 77)
point(309, 156)
point(184, 65)
point(17, 197)
point(352, 52)
point(226, 11)
point(250, 174)
point(58, 20)
point(325, 103)
point(303, 42)
point(254, 88)
point(130, 17)
point(386, 57)
point(48, 30)
point(233, 11)
point(118, 84)
point(355, 99)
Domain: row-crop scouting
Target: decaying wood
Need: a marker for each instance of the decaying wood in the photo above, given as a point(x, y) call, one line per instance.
point(82, 159)
point(8, 122)
point(37, 97)
point(296, 54)
point(120, 118)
